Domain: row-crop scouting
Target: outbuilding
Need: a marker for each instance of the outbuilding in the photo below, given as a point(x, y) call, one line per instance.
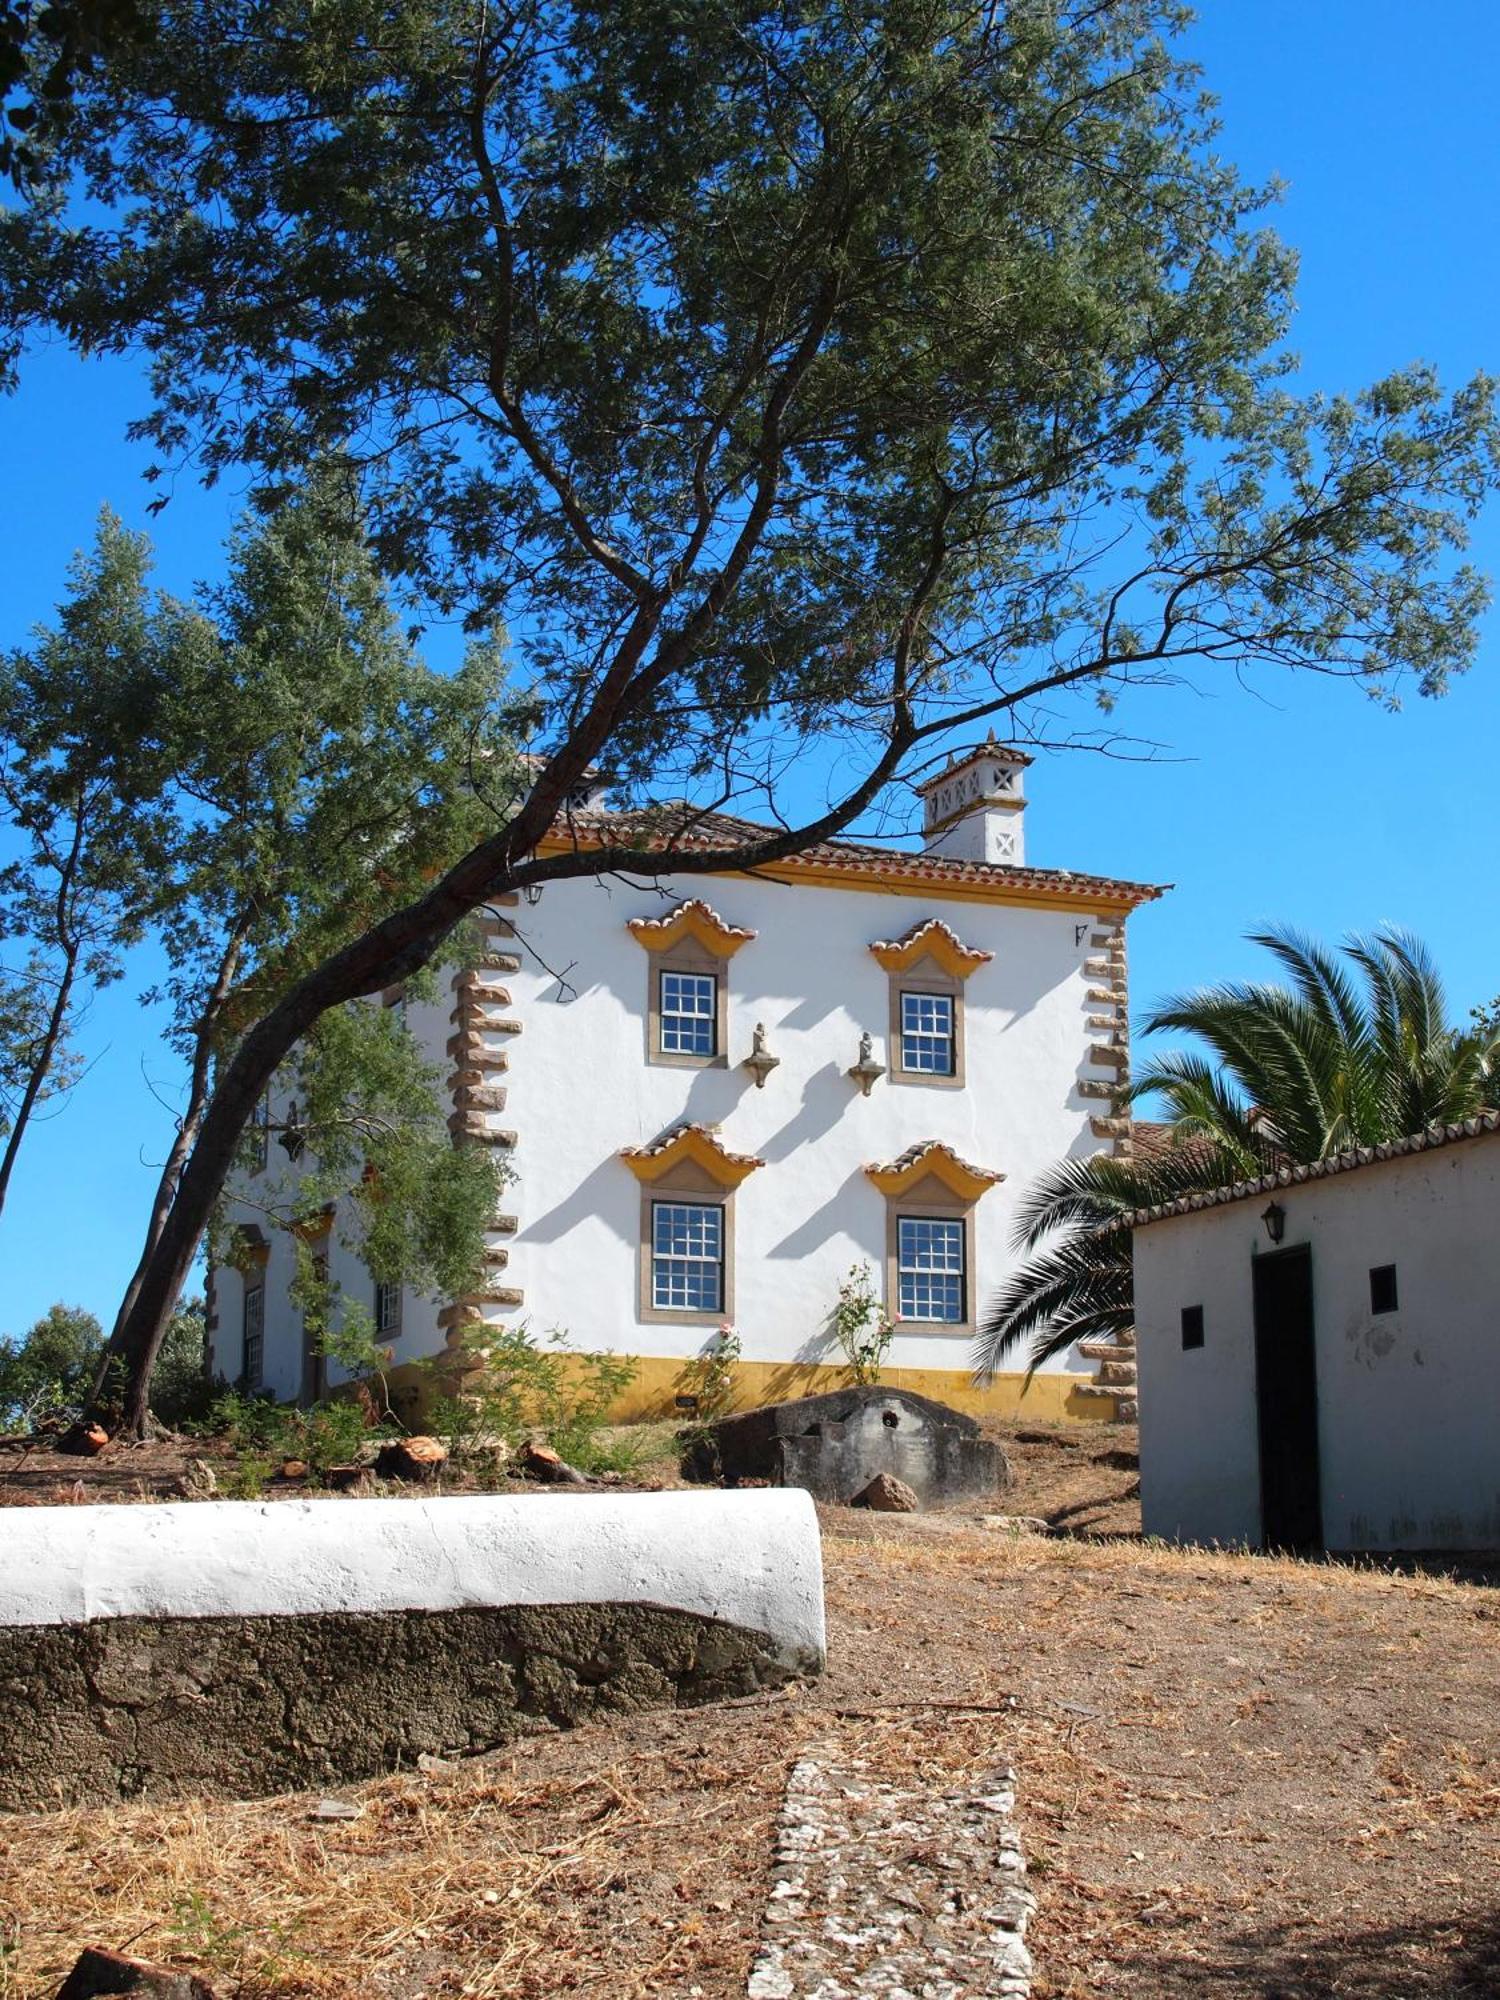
point(1319, 1352)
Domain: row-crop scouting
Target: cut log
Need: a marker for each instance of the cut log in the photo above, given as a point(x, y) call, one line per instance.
point(100, 1972)
point(84, 1440)
point(540, 1461)
point(413, 1458)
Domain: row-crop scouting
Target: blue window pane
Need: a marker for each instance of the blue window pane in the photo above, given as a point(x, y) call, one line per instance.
point(930, 1268)
point(687, 1257)
point(689, 1013)
point(927, 1033)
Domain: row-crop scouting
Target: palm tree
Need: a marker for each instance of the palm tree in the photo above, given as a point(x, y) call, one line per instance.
point(1346, 1054)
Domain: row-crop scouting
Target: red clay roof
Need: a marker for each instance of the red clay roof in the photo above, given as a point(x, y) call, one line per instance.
point(692, 831)
point(1429, 1141)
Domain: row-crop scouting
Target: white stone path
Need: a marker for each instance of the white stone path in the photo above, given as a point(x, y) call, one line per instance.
point(883, 1893)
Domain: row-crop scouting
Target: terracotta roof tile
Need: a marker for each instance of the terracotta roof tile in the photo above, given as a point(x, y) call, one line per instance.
point(1428, 1141)
point(686, 830)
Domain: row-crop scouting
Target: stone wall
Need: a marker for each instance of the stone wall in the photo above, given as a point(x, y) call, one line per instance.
point(244, 1647)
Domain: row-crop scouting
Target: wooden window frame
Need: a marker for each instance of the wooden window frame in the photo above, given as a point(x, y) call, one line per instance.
point(917, 1216)
point(687, 957)
point(929, 1200)
point(693, 939)
point(253, 1289)
point(393, 1326)
point(928, 978)
point(686, 1182)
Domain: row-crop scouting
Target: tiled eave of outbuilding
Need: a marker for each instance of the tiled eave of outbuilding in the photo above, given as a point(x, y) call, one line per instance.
point(846, 864)
point(1428, 1141)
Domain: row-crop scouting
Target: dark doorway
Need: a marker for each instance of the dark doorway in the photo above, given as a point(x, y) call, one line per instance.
point(1286, 1395)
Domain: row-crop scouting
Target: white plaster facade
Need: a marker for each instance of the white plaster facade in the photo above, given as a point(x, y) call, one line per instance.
point(1044, 1028)
point(1408, 1400)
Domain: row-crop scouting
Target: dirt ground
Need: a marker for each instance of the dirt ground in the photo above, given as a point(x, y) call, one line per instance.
point(1082, 1479)
point(1239, 1776)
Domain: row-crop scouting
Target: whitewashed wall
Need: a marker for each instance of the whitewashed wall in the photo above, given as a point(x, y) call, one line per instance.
point(1408, 1402)
point(579, 1088)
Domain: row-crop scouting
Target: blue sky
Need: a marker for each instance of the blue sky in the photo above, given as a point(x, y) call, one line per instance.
point(1295, 800)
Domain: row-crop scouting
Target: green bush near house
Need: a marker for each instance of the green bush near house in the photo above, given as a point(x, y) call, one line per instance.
point(514, 1389)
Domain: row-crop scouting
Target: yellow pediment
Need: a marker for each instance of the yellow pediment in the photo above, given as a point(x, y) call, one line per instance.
point(932, 939)
point(933, 1160)
point(695, 1144)
point(694, 920)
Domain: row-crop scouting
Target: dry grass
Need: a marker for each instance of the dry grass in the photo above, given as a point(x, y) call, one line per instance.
point(1239, 1777)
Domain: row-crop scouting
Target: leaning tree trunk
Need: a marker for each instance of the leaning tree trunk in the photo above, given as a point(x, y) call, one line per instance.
point(183, 1146)
point(41, 1069)
point(394, 949)
point(390, 952)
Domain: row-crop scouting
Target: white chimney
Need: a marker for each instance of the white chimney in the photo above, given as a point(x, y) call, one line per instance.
point(974, 810)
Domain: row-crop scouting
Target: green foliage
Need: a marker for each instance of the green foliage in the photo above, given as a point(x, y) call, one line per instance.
point(513, 1389)
point(262, 1432)
point(372, 1113)
point(787, 377)
point(181, 1390)
point(712, 1377)
point(49, 1372)
point(859, 1326)
point(29, 993)
point(1342, 1056)
point(80, 793)
point(797, 335)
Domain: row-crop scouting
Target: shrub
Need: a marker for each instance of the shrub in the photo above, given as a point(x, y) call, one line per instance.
point(513, 1389)
point(711, 1379)
point(50, 1372)
point(257, 1429)
point(859, 1325)
point(182, 1391)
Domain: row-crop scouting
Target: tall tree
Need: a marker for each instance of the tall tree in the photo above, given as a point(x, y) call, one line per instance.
point(1343, 1055)
point(81, 799)
point(835, 374)
point(321, 772)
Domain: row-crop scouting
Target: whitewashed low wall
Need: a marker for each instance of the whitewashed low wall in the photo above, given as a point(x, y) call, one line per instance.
point(245, 1646)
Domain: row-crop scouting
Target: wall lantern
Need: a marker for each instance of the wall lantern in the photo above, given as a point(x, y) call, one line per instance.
point(1274, 1217)
point(533, 893)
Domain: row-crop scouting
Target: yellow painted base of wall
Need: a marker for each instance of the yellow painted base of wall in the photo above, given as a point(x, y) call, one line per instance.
point(660, 1380)
point(1048, 1399)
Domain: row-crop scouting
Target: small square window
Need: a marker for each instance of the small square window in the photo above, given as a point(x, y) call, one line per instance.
point(1192, 1326)
point(689, 1014)
point(1383, 1288)
point(930, 1269)
point(927, 1034)
point(687, 1256)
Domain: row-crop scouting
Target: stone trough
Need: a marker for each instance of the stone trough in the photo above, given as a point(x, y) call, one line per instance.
point(834, 1445)
point(241, 1647)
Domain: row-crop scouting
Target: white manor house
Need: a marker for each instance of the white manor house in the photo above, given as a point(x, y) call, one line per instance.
point(718, 1093)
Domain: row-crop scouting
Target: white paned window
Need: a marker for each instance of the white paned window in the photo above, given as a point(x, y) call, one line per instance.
point(387, 1308)
point(927, 1034)
point(254, 1335)
point(689, 1013)
point(930, 1268)
point(687, 1256)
